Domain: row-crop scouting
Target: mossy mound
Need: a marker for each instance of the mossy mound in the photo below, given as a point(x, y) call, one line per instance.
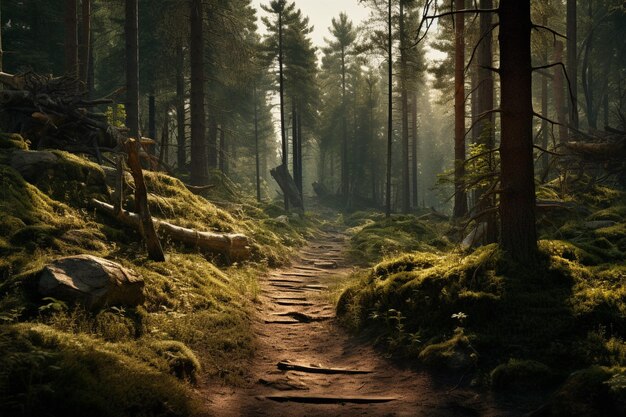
point(374, 237)
point(592, 392)
point(550, 313)
point(523, 374)
point(44, 371)
point(195, 321)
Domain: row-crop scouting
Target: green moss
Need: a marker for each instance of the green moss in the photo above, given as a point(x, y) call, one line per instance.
point(523, 374)
point(372, 240)
point(182, 362)
point(47, 372)
point(588, 393)
point(455, 353)
point(12, 141)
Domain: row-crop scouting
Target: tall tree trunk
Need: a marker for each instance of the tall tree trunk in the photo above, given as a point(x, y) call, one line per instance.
point(86, 42)
point(181, 152)
point(212, 145)
point(281, 82)
point(165, 139)
point(152, 133)
point(71, 38)
point(460, 197)
point(572, 61)
point(345, 180)
point(485, 104)
point(545, 134)
point(294, 139)
point(256, 145)
point(299, 175)
point(223, 164)
point(389, 112)
point(1, 50)
point(517, 199)
point(587, 75)
point(132, 68)
point(91, 71)
point(414, 151)
point(559, 88)
point(406, 185)
point(199, 165)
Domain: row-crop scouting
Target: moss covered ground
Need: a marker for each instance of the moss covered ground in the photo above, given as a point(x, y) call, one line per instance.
point(509, 326)
point(61, 360)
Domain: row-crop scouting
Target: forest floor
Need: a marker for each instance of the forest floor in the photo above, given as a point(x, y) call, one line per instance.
point(295, 324)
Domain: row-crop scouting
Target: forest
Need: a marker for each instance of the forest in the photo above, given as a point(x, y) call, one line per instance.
point(312, 208)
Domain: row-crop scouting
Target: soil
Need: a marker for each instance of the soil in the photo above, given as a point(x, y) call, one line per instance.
point(295, 326)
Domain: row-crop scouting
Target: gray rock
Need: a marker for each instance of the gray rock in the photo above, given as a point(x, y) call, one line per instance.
point(91, 281)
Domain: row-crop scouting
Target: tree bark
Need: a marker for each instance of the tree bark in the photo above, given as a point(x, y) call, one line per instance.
point(223, 150)
point(152, 130)
point(199, 163)
point(415, 146)
point(181, 152)
point(345, 180)
point(572, 61)
point(460, 197)
point(559, 98)
point(517, 199)
point(86, 42)
point(485, 104)
point(256, 145)
point(389, 111)
point(406, 185)
point(71, 38)
point(132, 68)
point(285, 159)
point(545, 134)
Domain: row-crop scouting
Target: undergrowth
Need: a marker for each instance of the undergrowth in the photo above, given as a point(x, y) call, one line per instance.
point(59, 359)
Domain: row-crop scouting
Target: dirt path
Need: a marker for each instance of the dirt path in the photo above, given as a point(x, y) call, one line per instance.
point(295, 327)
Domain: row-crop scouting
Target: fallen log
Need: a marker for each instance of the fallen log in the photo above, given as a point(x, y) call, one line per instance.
point(234, 246)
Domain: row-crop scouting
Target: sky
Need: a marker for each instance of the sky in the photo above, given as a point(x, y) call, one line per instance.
point(320, 13)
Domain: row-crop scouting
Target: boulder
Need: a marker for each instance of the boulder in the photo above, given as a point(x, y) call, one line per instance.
point(91, 281)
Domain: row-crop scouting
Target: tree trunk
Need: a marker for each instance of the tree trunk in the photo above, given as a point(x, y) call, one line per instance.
point(71, 38)
point(389, 112)
point(199, 163)
point(212, 145)
point(517, 200)
point(132, 68)
point(406, 185)
point(152, 133)
point(545, 133)
point(223, 150)
point(181, 152)
point(345, 180)
point(415, 146)
point(1, 50)
point(559, 99)
point(299, 174)
point(460, 198)
point(165, 139)
point(256, 145)
point(85, 55)
point(285, 159)
point(485, 104)
point(572, 62)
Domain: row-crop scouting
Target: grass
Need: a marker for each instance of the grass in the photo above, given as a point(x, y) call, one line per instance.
point(59, 359)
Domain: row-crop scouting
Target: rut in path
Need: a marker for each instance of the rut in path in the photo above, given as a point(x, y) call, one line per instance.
point(306, 365)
